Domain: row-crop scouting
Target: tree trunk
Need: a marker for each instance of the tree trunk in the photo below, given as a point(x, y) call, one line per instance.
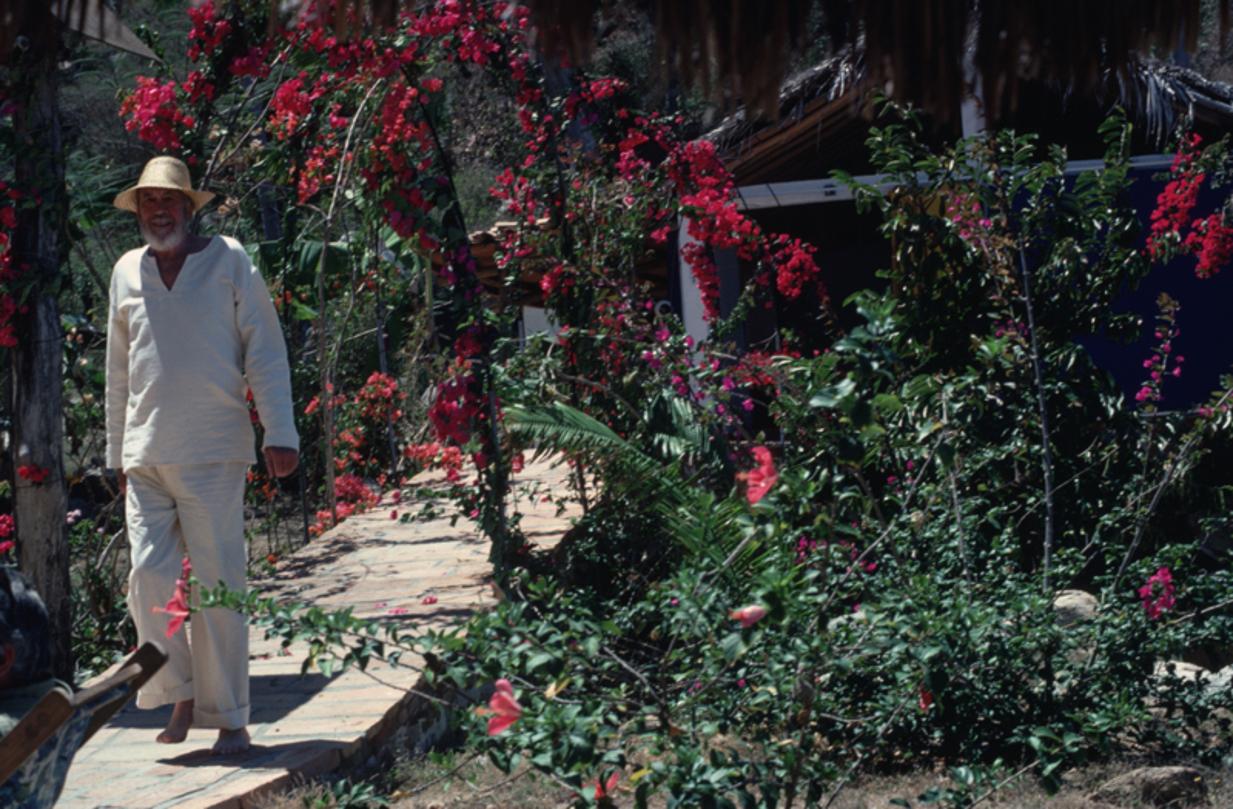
point(38, 428)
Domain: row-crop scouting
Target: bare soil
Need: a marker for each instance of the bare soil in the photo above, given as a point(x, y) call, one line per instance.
point(476, 784)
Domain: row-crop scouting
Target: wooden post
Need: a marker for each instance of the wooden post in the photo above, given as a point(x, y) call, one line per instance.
point(326, 383)
point(38, 428)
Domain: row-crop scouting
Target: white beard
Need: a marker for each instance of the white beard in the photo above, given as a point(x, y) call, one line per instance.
point(171, 241)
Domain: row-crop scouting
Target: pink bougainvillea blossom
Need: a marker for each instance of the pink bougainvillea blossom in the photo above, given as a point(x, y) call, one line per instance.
point(748, 616)
point(1157, 593)
point(965, 211)
point(1158, 364)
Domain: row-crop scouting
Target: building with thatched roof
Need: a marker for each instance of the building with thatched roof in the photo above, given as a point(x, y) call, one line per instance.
point(783, 171)
point(824, 114)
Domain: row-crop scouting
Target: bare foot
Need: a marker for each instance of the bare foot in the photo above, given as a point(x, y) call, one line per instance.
point(179, 723)
point(231, 742)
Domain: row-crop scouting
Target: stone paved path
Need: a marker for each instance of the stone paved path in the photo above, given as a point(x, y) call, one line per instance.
point(305, 726)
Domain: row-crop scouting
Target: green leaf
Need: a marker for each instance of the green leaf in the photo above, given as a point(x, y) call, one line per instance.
point(309, 261)
point(831, 395)
point(887, 404)
point(302, 311)
point(733, 646)
point(861, 413)
point(538, 660)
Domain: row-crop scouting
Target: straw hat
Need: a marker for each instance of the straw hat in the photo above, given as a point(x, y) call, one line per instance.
point(163, 172)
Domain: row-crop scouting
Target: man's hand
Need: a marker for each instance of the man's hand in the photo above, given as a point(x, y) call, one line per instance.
point(281, 461)
point(122, 479)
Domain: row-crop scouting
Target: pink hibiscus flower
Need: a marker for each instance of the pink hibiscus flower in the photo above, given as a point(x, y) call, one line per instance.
point(177, 608)
point(762, 478)
point(504, 707)
point(748, 616)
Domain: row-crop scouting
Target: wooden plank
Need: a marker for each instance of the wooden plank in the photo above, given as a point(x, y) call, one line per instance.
point(36, 727)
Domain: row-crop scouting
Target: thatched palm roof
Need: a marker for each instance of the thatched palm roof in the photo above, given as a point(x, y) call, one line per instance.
point(1161, 93)
point(917, 48)
point(838, 77)
point(927, 52)
point(823, 116)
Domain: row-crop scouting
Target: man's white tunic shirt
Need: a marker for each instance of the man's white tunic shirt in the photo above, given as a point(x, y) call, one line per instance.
point(180, 361)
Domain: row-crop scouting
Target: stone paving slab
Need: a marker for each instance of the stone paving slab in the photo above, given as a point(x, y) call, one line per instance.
point(307, 726)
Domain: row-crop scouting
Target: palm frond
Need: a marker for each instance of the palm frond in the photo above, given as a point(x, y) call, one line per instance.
point(1158, 94)
point(703, 523)
point(684, 437)
point(561, 428)
point(713, 529)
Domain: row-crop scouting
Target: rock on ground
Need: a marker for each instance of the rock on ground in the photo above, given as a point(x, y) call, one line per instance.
point(1074, 607)
point(1174, 787)
point(1181, 670)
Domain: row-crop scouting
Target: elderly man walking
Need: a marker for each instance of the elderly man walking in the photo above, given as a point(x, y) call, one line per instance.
point(191, 329)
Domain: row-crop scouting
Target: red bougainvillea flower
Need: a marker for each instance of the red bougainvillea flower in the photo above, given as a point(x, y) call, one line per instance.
point(7, 546)
point(6, 525)
point(504, 707)
point(925, 700)
point(603, 788)
point(748, 616)
point(1212, 242)
point(1157, 593)
point(32, 473)
point(177, 608)
point(762, 478)
point(153, 112)
point(428, 600)
point(456, 405)
point(1177, 199)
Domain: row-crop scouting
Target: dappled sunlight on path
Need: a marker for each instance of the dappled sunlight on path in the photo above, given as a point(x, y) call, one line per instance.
point(305, 726)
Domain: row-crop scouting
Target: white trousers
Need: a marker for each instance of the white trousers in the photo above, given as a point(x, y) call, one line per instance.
point(196, 509)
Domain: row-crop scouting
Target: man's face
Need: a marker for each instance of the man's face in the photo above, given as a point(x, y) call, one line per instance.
point(163, 215)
